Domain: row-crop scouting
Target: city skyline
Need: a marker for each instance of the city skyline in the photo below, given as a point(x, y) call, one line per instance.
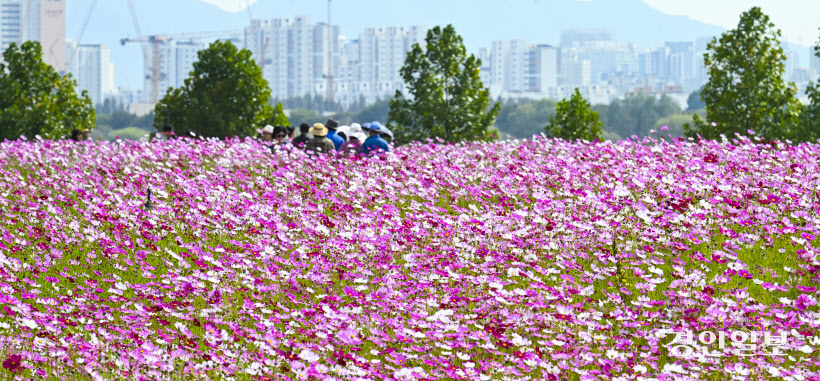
point(619, 64)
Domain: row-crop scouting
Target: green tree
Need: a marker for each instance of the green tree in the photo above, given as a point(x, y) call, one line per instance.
point(225, 95)
point(810, 115)
point(379, 111)
point(637, 114)
point(574, 119)
point(447, 100)
point(302, 115)
point(36, 100)
point(694, 102)
point(745, 90)
point(525, 118)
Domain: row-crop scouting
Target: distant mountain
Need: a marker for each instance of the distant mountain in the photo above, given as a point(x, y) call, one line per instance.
point(478, 21)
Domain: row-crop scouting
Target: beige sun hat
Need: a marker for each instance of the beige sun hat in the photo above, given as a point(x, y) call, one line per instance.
point(318, 130)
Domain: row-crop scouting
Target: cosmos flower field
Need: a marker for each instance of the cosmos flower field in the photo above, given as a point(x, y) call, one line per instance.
point(518, 260)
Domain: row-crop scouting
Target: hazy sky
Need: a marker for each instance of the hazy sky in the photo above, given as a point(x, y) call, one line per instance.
point(797, 19)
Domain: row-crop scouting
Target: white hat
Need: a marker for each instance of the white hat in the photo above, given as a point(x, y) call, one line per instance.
point(344, 129)
point(268, 129)
point(358, 135)
point(356, 128)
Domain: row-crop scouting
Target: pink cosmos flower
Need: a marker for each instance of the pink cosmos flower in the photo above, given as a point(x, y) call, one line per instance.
point(349, 336)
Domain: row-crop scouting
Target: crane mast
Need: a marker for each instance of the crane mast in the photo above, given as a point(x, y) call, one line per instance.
point(329, 54)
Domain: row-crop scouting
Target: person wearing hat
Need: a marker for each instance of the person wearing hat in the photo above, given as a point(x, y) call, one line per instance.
point(86, 135)
point(267, 133)
point(301, 140)
point(337, 140)
point(374, 143)
point(353, 145)
point(386, 134)
point(320, 143)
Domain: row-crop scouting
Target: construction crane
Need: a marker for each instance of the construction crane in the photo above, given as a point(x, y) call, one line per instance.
point(153, 62)
point(70, 58)
point(154, 69)
point(254, 42)
point(145, 63)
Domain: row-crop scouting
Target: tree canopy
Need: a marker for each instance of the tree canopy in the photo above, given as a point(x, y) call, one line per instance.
point(447, 99)
point(36, 100)
point(224, 96)
point(745, 90)
point(574, 119)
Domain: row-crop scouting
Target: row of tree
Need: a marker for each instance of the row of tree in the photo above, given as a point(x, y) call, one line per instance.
point(225, 95)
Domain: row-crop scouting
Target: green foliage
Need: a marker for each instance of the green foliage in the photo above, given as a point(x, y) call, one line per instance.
point(524, 118)
point(448, 100)
point(110, 106)
point(745, 89)
point(574, 119)
point(637, 114)
point(674, 123)
point(224, 96)
point(379, 111)
point(301, 115)
point(316, 103)
point(694, 102)
point(278, 118)
point(36, 100)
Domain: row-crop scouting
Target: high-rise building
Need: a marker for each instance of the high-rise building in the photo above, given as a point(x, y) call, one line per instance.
point(543, 68)
point(271, 47)
point(300, 57)
point(93, 70)
point(382, 54)
point(681, 65)
point(10, 22)
point(36, 20)
point(509, 62)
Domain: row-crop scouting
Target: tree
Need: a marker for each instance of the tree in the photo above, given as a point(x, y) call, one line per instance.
point(225, 95)
point(301, 115)
point(637, 114)
point(447, 100)
point(524, 118)
point(574, 119)
point(36, 100)
point(745, 90)
point(379, 111)
point(694, 102)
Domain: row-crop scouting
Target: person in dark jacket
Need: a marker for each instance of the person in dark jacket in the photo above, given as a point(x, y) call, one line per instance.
point(76, 135)
point(337, 140)
point(320, 143)
point(374, 143)
point(301, 140)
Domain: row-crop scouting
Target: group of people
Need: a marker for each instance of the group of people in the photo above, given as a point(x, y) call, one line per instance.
point(78, 135)
point(330, 137)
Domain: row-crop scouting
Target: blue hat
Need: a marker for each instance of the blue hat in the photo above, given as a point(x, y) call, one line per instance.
point(375, 126)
